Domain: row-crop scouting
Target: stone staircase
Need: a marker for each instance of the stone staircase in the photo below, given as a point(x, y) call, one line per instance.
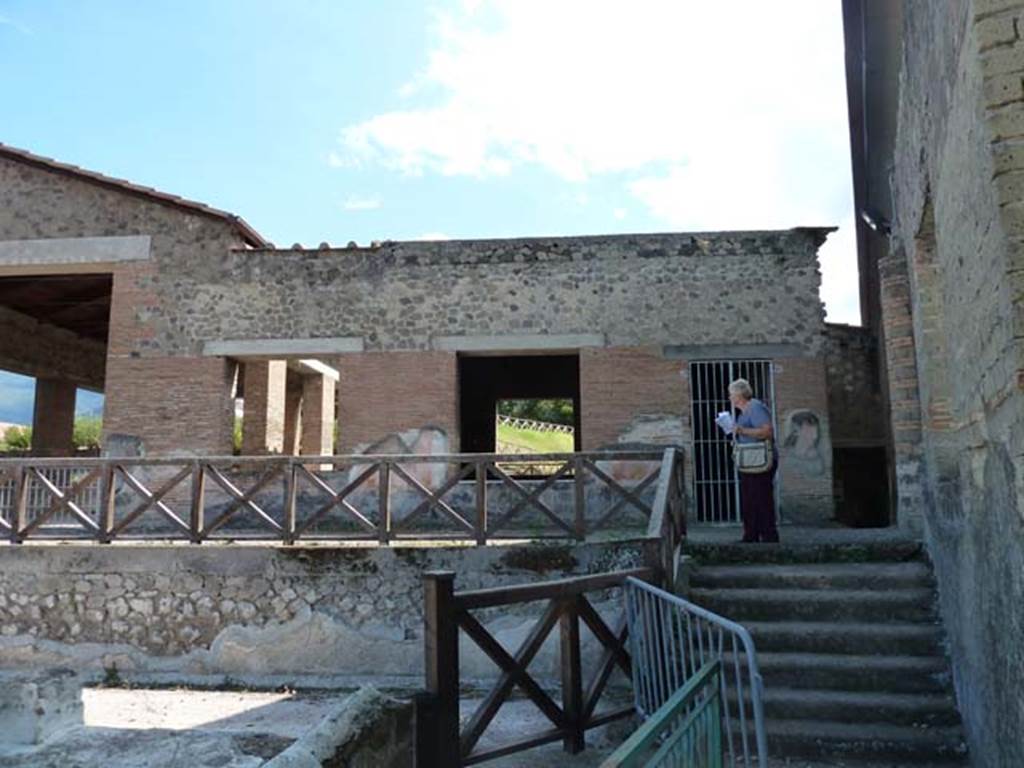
point(850, 648)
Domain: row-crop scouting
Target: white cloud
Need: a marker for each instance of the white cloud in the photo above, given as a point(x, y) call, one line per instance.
point(7, 21)
point(432, 236)
point(338, 160)
point(584, 88)
point(356, 203)
point(619, 214)
point(712, 115)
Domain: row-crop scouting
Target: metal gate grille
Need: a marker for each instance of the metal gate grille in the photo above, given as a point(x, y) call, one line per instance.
point(715, 483)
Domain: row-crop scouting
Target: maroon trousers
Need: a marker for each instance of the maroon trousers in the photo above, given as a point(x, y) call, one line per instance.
point(757, 506)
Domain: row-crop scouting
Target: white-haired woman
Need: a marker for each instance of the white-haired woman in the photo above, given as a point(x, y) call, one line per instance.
point(757, 491)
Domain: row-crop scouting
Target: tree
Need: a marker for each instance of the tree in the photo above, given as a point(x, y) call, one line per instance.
point(88, 432)
point(16, 439)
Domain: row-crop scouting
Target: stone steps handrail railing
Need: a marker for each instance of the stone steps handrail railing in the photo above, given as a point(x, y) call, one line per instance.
point(443, 741)
point(534, 426)
point(107, 499)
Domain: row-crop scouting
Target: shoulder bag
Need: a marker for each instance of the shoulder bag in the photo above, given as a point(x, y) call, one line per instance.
point(752, 458)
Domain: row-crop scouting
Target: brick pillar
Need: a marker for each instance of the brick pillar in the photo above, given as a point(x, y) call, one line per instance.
point(904, 393)
point(318, 394)
point(263, 419)
point(293, 421)
point(53, 418)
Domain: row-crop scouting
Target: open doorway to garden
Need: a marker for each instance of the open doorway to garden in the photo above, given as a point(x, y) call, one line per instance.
point(523, 404)
point(534, 426)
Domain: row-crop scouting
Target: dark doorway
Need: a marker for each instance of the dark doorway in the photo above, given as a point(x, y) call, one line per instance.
point(860, 478)
point(484, 380)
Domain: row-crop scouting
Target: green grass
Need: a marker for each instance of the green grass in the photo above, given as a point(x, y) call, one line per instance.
point(528, 441)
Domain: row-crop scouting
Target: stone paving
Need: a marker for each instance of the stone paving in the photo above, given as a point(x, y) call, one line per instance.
point(189, 728)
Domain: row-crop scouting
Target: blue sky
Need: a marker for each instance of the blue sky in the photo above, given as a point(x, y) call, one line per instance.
point(336, 120)
point(17, 394)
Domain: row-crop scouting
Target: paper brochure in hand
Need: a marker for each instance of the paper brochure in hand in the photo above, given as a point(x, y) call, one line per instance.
point(725, 421)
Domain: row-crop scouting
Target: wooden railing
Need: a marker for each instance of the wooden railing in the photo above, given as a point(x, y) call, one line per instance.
point(533, 425)
point(380, 498)
point(441, 742)
point(446, 612)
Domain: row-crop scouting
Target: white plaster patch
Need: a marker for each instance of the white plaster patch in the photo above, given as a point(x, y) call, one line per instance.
point(657, 428)
point(517, 342)
point(74, 250)
point(283, 347)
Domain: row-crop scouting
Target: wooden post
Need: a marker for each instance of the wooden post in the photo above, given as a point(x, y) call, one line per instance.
point(290, 494)
point(20, 517)
point(384, 499)
point(441, 644)
point(481, 502)
point(108, 504)
point(580, 499)
point(572, 678)
point(424, 729)
point(196, 517)
point(681, 510)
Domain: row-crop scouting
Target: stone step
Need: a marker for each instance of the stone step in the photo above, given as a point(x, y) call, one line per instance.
point(882, 743)
point(889, 551)
point(797, 762)
point(902, 639)
point(866, 707)
point(878, 576)
point(850, 672)
point(897, 605)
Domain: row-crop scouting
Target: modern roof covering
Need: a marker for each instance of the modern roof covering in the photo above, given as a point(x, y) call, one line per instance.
point(76, 303)
point(250, 235)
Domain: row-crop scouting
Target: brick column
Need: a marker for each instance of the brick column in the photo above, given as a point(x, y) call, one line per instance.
point(293, 421)
point(904, 394)
point(53, 418)
point(318, 394)
point(263, 419)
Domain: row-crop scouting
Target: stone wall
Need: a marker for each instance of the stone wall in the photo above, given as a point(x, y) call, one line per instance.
point(260, 610)
point(406, 402)
point(626, 297)
point(412, 308)
point(38, 204)
point(956, 250)
point(632, 289)
point(368, 730)
point(855, 406)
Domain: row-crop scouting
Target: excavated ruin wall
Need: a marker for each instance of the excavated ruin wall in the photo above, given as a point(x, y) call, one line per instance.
point(250, 610)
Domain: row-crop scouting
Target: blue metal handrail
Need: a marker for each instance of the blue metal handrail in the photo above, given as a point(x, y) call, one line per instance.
point(685, 732)
point(672, 640)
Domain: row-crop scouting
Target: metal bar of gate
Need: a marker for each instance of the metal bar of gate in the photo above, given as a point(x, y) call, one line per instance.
point(715, 481)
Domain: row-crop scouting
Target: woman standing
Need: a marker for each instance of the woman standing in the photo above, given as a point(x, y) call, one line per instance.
point(757, 490)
